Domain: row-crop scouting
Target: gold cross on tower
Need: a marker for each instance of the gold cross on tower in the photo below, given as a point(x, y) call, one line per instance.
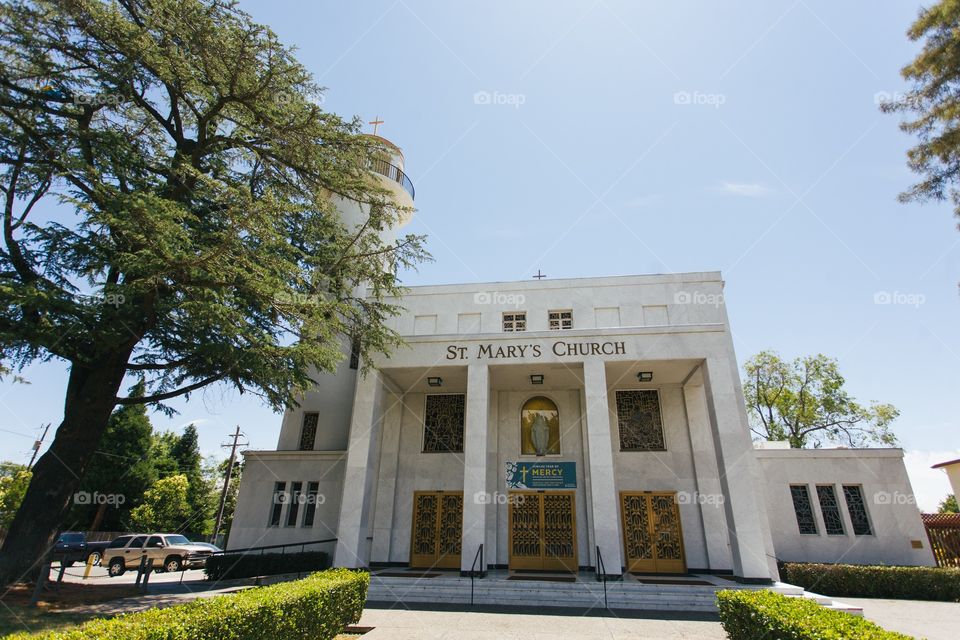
point(376, 123)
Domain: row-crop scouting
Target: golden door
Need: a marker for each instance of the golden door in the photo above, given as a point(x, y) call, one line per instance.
point(543, 530)
point(652, 536)
point(436, 538)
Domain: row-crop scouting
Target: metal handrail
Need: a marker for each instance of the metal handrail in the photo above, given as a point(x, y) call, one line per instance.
point(302, 545)
point(473, 569)
point(395, 173)
point(602, 576)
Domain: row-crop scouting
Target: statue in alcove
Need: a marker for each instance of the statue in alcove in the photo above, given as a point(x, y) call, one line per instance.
point(539, 427)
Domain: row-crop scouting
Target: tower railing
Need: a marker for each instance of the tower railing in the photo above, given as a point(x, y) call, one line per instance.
point(395, 173)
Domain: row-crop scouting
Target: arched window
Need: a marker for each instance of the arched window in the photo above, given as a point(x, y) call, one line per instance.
point(540, 427)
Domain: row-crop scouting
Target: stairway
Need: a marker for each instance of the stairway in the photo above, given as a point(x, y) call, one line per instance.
point(585, 593)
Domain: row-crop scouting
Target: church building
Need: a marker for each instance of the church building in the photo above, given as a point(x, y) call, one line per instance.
point(562, 424)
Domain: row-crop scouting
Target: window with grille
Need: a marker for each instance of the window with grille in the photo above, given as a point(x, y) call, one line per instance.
point(310, 509)
point(516, 321)
point(560, 320)
point(639, 420)
point(443, 423)
point(830, 509)
point(857, 508)
point(803, 509)
point(276, 506)
point(308, 431)
point(355, 353)
point(296, 497)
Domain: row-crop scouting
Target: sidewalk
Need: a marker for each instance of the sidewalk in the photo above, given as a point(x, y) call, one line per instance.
point(918, 618)
point(405, 624)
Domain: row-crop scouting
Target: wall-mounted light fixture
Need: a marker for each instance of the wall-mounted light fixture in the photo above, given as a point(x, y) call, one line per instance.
point(536, 378)
point(645, 376)
point(435, 381)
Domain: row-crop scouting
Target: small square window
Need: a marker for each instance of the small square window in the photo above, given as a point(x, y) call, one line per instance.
point(560, 320)
point(516, 321)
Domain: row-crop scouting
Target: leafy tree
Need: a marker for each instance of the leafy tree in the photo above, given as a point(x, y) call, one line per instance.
point(804, 402)
point(949, 505)
point(122, 465)
point(164, 507)
point(933, 104)
point(197, 238)
point(186, 453)
point(14, 479)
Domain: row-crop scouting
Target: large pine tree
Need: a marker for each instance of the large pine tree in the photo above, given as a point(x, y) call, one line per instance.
point(191, 235)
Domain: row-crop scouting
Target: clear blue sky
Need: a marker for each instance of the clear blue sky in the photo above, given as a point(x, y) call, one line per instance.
point(625, 137)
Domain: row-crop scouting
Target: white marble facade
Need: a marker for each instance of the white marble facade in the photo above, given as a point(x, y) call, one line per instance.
point(368, 452)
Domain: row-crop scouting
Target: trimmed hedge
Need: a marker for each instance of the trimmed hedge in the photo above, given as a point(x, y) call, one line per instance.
point(249, 564)
point(315, 608)
point(864, 581)
point(748, 615)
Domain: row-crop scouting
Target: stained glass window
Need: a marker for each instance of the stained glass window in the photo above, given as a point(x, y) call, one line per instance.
point(310, 510)
point(516, 321)
point(561, 319)
point(639, 420)
point(308, 432)
point(803, 508)
point(296, 498)
point(443, 423)
point(276, 506)
point(830, 509)
point(857, 509)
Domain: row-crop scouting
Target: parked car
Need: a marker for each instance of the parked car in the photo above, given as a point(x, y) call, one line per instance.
point(72, 547)
point(207, 545)
point(169, 552)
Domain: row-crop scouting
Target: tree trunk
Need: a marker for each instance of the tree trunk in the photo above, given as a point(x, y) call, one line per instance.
point(98, 517)
point(91, 396)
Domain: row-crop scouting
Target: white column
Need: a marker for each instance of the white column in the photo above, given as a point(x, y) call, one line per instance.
point(707, 474)
point(606, 517)
point(387, 478)
point(475, 464)
point(751, 545)
point(361, 472)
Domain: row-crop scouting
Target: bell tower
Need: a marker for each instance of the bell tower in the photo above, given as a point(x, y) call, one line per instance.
point(326, 408)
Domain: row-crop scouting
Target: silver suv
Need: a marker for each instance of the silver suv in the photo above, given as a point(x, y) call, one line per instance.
point(169, 552)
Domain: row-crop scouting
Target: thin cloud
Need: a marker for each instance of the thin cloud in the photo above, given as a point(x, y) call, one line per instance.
point(745, 189)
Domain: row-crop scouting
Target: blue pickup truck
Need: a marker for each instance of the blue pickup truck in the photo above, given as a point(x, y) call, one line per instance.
point(73, 547)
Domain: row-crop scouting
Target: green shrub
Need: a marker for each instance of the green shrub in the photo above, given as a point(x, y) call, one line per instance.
point(863, 581)
point(748, 615)
point(315, 608)
point(245, 565)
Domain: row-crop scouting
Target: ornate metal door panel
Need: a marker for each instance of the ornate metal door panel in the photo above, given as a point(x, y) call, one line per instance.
point(652, 536)
point(435, 540)
point(543, 530)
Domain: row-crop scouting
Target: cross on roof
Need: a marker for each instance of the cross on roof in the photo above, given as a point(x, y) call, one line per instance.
point(376, 123)
point(539, 276)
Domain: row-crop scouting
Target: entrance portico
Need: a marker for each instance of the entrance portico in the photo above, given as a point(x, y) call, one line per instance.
point(594, 391)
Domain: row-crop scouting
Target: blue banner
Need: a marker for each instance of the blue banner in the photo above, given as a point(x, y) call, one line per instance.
point(541, 475)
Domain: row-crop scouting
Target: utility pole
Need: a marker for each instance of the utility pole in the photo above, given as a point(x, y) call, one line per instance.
point(36, 446)
point(226, 483)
